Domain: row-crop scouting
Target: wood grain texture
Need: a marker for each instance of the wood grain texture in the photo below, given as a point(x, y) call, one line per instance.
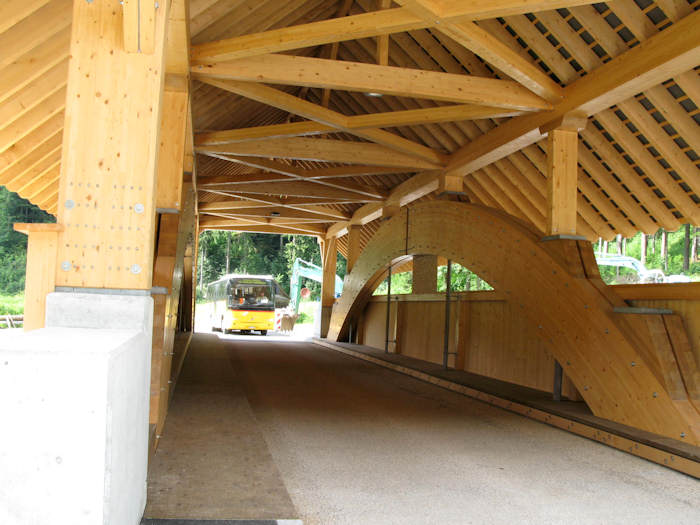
point(594, 347)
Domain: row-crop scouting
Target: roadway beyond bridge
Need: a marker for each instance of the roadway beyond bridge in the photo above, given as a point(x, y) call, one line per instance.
point(292, 430)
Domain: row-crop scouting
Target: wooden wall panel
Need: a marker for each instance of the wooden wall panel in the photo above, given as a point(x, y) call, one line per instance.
point(494, 338)
point(688, 309)
point(373, 325)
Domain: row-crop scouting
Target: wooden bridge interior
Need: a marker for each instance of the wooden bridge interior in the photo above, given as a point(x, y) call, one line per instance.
point(141, 124)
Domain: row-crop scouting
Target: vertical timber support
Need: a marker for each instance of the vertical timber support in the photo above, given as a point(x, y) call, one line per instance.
point(562, 172)
point(109, 155)
point(424, 274)
point(354, 247)
point(40, 279)
point(329, 257)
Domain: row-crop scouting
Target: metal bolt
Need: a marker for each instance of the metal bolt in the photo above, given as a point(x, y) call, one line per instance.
point(70, 204)
point(157, 6)
point(138, 207)
point(585, 387)
point(682, 434)
point(655, 394)
point(633, 363)
point(135, 268)
point(65, 266)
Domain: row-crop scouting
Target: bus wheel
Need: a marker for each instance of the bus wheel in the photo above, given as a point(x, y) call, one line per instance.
point(263, 332)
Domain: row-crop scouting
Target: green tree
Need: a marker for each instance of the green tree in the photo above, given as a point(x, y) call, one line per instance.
point(13, 245)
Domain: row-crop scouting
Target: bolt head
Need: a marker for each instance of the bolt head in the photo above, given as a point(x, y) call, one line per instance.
point(135, 269)
point(65, 266)
point(70, 204)
point(138, 207)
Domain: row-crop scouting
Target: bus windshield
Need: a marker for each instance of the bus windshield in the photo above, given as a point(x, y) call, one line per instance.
point(250, 294)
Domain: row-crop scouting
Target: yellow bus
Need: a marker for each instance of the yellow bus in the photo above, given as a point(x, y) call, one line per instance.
point(244, 303)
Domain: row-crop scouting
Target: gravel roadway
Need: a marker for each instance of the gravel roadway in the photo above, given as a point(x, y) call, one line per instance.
point(359, 444)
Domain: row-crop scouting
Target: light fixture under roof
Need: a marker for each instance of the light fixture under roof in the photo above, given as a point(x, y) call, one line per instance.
point(374, 94)
point(274, 214)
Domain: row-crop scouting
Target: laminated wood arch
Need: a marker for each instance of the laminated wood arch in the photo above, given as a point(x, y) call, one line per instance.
point(613, 369)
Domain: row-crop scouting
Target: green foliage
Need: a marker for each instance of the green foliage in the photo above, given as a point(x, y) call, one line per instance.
point(12, 304)
point(13, 245)
point(259, 253)
point(654, 258)
point(307, 312)
point(463, 280)
point(401, 283)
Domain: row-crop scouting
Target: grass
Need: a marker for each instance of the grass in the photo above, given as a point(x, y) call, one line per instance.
point(12, 304)
point(307, 312)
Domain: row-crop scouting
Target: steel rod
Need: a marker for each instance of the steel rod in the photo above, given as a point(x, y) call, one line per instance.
point(448, 296)
point(388, 310)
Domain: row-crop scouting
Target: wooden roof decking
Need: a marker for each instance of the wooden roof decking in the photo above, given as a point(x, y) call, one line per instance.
point(486, 88)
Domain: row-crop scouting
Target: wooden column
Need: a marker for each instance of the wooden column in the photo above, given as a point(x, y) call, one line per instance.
point(329, 256)
point(562, 173)
point(424, 274)
point(40, 279)
point(354, 248)
point(109, 156)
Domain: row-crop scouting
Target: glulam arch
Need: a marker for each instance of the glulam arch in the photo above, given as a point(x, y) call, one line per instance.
point(596, 347)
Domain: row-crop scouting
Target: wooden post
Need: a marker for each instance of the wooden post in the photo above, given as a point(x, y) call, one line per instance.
point(354, 248)
point(329, 256)
point(383, 40)
point(40, 280)
point(424, 274)
point(562, 173)
point(109, 157)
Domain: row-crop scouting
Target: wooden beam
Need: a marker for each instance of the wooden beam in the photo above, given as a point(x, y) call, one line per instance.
point(322, 150)
point(562, 173)
point(296, 188)
point(171, 151)
point(108, 175)
point(354, 245)
point(278, 212)
point(329, 258)
point(362, 26)
point(41, 270)
point(258, 226)
point(139, 26)
point(664, 55)
point(383, 40)
point(33, 64)
point(389, 119)
point(492, 50)
point(13, 11)
point(297, 174)
point(292, 104)
point(371, 78)
point(408, 191)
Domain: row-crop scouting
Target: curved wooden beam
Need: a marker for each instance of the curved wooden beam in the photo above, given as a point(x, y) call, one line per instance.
point(616, 371)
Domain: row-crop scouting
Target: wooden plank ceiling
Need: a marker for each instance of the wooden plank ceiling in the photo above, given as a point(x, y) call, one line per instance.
point(296, 132)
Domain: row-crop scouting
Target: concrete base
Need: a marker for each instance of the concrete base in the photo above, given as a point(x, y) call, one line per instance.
point(75, 397)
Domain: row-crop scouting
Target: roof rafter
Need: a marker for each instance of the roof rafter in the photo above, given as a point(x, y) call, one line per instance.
point(492, 50)
point(664, 55)
point(322, 150)
point(372, 78)
point(364, 25)
point(292, 104)
point(408, 117)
